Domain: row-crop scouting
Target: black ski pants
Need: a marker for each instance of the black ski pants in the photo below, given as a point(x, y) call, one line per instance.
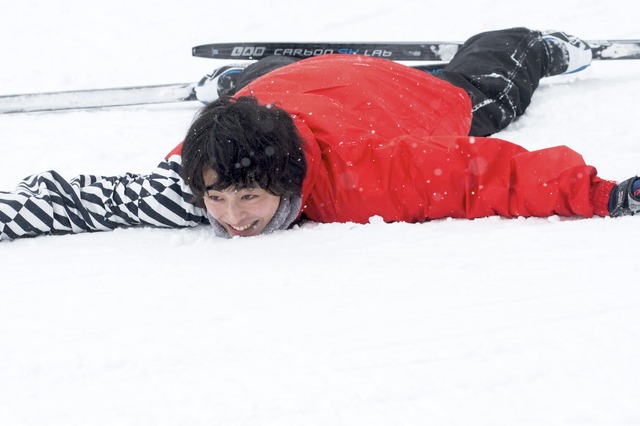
point(499, 70)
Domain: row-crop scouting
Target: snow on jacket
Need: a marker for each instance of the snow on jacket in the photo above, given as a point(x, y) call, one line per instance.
point(383, 139)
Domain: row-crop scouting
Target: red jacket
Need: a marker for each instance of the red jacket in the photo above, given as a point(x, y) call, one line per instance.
point(388, 140)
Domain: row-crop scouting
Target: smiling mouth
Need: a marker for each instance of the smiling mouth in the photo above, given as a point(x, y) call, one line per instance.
point(244, 227)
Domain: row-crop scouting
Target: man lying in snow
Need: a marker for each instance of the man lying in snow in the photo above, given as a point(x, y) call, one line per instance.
point(342, 138)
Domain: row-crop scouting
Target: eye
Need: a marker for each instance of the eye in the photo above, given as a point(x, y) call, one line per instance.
point(214, 198)
point(249, 197)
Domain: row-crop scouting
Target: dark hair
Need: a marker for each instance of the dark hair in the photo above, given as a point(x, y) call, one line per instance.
point(247, 145)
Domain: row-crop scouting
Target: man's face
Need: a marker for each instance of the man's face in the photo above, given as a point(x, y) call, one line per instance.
point(244, 212)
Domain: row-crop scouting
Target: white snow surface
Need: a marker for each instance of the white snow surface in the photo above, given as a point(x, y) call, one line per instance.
point(452, 322)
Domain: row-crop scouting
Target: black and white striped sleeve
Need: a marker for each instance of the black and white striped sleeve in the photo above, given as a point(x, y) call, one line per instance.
point(48, 204)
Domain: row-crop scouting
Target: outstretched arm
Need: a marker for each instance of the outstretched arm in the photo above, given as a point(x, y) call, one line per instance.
point(48, 204)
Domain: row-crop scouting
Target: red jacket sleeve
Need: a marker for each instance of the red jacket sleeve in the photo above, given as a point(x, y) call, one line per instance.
point(413, 180)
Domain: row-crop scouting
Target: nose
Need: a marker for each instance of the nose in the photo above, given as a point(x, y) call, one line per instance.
point(235, 213)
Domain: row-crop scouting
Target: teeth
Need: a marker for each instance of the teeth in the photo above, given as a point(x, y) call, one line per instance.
point(242, 228)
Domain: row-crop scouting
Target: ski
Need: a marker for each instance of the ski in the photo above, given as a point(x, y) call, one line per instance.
point(400, 51)
point(97, 98)
point(615, 49)
point(395, 51)
point(114, 97)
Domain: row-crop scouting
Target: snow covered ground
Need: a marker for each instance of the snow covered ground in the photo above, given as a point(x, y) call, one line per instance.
point(453, 322)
